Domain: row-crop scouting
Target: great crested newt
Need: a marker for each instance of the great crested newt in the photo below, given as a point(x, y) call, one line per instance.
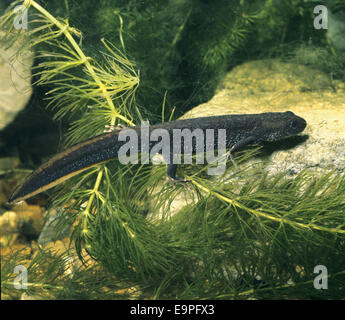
point(240, 130)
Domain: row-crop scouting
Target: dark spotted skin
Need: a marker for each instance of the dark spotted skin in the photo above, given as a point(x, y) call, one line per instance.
point(241, 129)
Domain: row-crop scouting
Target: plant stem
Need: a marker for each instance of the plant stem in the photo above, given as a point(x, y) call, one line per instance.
point(84, 59)
point(95, 190)
point(65, 29)
point(265, 215)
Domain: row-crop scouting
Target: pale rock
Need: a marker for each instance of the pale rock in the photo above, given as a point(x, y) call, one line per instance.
point(15, 81)
point(8, 228)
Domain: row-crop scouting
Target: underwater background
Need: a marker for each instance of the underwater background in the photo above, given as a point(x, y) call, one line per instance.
point(261, 231)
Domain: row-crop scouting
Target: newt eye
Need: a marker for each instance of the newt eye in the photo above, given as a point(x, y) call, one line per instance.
point(293, 124)
point(297, 124)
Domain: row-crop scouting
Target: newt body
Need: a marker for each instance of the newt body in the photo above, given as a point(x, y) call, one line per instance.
point(241, 129)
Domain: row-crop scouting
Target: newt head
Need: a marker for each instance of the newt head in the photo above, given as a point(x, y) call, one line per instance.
point(282, 125)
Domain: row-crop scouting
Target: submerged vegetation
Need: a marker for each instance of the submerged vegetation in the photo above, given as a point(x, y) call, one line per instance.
point(244, 235)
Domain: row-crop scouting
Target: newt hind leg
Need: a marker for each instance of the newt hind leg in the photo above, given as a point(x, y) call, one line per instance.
point(171, 174)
